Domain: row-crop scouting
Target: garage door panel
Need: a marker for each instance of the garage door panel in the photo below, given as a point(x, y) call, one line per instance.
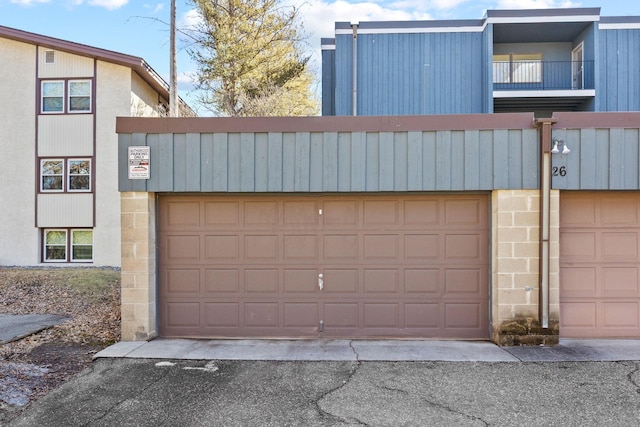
point(222, 248)
point(303, 247)
point(381, 247)
point(301, 281)
point(182, 281)
point(330, 266)
point(422, 315)
point(578, 281)
point(381, 213)
point(340, 214)
point(182, 314)
point(620, 314)
point(341, 247)
point(221, 281)
point(340, 315)
point(341, 280)
point(460, 281)
point(261, 314)
point(578, 246)
point(301, 315)
point(463, 315)
point(301, 214)
point(599, 279)
point(379, 280)
point(422, 281)
point(620, 282)
point(222, 315)
point(222, 215)
point(382, 315)
point(261, 280)
point(260, 214)
point(184, 214)
point(183, 248)
point(422, 213)
point(619, 246)
point(619, 211)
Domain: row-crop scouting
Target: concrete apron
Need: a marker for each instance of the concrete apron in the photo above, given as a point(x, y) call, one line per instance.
point(372, 350)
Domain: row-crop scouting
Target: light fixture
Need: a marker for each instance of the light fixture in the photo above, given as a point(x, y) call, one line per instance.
point(555, 150)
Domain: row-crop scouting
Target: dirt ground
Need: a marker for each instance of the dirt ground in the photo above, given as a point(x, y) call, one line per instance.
point(35, 365)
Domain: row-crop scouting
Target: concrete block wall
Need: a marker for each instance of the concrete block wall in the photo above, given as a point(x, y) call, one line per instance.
point(138, 244)
point(515, 267)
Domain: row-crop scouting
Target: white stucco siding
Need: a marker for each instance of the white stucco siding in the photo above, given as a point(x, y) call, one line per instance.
point(144, 99)
point(18, 234)
point(113, 94)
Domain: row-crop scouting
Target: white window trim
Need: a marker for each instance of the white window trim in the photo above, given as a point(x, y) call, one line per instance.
point(42, 97)
point(68, 176)
point(42, 175)
point(68, 96)
point(44, 245)
point(71, 245)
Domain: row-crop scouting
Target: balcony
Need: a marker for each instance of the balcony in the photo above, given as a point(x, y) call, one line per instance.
point(537, 85)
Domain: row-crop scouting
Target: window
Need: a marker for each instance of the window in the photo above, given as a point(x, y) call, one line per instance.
point(76, 177)
point(72, 96)
point(52, 97)
point(52, 172)
point(79, 96)
point(58, 248)
point(517, 68)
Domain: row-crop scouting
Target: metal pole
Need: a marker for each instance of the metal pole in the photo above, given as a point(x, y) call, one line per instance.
point(173, 84)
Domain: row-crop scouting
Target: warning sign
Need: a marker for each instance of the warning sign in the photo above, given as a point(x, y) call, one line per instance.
point(139, 162)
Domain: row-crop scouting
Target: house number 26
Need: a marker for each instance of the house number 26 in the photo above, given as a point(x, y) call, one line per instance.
point(559, 171)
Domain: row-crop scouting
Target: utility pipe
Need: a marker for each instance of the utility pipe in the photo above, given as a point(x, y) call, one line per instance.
point(545, 215)
point(354, 70)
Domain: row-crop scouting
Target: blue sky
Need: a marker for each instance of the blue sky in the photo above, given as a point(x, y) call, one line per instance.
point(140, 28)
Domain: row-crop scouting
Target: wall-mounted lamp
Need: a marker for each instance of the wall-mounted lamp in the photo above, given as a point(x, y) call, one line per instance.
point(555, 150)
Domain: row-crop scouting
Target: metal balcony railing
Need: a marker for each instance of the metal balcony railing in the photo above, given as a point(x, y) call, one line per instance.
point(543, 75)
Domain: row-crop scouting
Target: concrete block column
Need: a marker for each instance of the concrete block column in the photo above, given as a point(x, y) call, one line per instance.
point(515, 281)
point(139, 299)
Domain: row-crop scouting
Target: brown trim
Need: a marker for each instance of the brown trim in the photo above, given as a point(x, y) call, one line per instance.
point(584, 120)
point(325, 124)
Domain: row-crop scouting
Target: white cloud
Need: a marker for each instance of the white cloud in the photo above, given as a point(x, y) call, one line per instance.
point(536, 4)
point(109, 4)
point(28, 2)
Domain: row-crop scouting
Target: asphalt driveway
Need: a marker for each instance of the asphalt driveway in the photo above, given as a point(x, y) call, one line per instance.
point(153, 392)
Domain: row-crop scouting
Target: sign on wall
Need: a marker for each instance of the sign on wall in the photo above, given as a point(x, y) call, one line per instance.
point(139, 162)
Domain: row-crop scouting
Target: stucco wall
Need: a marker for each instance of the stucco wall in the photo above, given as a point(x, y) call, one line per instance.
point(18, 235)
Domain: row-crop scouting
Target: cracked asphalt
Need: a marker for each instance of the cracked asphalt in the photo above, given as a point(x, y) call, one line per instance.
point(144, 392)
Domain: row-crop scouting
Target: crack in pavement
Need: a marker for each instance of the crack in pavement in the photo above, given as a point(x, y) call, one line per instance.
point(631, 374)
point(454, 411)
point(346, 382)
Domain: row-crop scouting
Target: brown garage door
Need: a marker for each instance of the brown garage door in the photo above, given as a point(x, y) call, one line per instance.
point(323, 266)
point(599, 289)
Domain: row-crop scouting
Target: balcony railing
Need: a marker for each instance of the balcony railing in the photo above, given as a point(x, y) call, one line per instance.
point(543, 75)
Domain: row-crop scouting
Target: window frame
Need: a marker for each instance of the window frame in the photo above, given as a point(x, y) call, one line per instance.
point(511, 63)
point(66, 175)
point(69, 245)
point(67, 96)
point(42, 96)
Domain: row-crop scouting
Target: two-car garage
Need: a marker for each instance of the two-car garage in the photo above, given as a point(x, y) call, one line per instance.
point(324, 265)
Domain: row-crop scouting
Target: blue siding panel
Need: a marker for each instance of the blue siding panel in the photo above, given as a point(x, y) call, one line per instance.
point(373, 160)
point(261, 162)
point(179, 162)
point(457, 160)
point(358, 161)
point(276, 170)
point(344, 161)
point(220, 162)
point(429, 166)
point(192, 159)
point(302, 169)
point(234, 170)
point(501, 159)
point(443, 160)
point(619, 79)
point(330, 162)
point(288, 162)
point(206, 163)
point(386, 173)
point(315, 162)
point(471, 159)
point(414, 161)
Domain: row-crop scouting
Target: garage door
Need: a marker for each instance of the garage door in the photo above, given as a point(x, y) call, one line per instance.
point(599, 290)
point(323, 266)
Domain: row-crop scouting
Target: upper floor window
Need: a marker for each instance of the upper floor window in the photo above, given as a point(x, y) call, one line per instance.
point(59, 175)
point(517, 68)
point(65, 96)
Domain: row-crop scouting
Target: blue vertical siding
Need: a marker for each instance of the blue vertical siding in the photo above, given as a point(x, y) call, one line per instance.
point(328, 82)
point(619, 70)
point(333, 161)
point(343, 76)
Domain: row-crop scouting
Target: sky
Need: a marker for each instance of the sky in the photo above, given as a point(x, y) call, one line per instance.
point(141, 27)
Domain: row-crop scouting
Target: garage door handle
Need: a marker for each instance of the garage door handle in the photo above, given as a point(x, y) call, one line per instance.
point(320, 281)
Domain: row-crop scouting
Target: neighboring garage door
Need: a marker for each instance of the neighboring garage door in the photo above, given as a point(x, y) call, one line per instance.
point(599, 258)
point(323, 266)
